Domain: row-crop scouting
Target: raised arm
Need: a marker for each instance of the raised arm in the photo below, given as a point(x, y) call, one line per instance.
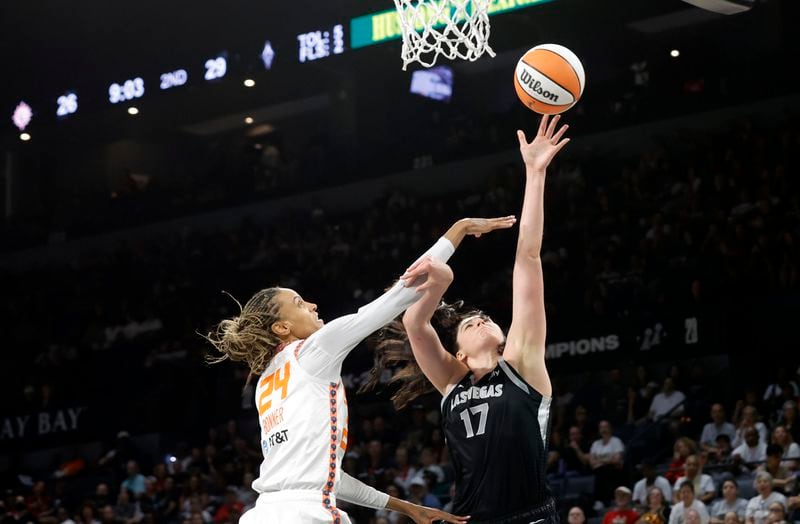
point(440, 367)
point(525, 345)
point(324, 351)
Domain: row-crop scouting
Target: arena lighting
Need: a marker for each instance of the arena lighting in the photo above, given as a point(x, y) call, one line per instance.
point(674, 53)
point(248, 120)
point(133, 110)
point(249, 82)
point(24, 137)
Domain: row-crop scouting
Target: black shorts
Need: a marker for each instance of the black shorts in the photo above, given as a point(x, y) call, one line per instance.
point(546, 513)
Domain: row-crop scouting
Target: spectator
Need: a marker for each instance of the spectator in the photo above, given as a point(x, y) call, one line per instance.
point(392, 517)
point(692, 516)
point(730, 502)
point(732, 518)
point(576, 453)
point(575, 515)
point(107, 515)
point(622, 513)
point(656, 510)
point(752, 452)
point(718, 426)
point(687, 501)
point(749, 420)
point(789, 419)
point(134, 482)
point(62, 516)
point(668, 402)
point(427, 459)
point(722, 457)
point(101, 495)
point(230, 510)
point(758, 506)
point(126, 510)
point(703, 484)
point(18, 512)
point(682, 448)
point(782, 479)
point(606, 458)
point(40, 505)
point(419, 494)
point(641, 490)
point(790, 450)
point(87, 515)
point(777, 514)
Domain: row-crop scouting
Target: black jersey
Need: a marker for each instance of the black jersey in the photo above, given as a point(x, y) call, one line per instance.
point(496, 431)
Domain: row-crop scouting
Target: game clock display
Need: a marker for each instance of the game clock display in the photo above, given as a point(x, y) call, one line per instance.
point(320, 44)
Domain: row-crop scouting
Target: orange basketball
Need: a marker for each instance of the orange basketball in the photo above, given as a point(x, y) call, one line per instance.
point(549, 79)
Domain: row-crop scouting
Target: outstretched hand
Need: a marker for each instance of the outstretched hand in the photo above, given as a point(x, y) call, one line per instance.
point(478, 226)
point(425, 515)
point(540, 152)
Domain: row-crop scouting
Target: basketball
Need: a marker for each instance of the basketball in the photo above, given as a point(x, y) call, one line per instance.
point(549, 79)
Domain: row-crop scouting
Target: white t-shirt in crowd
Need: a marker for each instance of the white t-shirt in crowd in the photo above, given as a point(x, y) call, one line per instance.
point(758, 507)
point(702, 484)
point(738, 440)
point(720, 508)
point(601, 450)
point(641, 489)
point(678, 514)
point(792, 452)
point(711, 431)
point(663, 404)
point(748, 454)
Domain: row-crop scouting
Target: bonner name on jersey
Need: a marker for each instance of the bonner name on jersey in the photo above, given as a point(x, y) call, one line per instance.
point(493, 390)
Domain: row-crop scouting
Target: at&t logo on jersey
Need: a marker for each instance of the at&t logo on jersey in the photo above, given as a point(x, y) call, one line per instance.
point(494, 390)
point(279, 437)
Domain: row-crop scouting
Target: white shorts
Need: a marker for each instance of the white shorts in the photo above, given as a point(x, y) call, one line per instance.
point(295, 506)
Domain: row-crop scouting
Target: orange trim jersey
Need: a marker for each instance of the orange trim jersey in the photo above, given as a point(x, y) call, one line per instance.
point(302, 408)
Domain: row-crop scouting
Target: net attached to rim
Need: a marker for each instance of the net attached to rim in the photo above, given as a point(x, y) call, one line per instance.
point(451, 28)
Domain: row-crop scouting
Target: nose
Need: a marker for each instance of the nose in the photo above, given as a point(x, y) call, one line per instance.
point(313, 307)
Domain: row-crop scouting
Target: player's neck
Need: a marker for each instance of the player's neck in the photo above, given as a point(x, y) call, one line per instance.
point(480, 366)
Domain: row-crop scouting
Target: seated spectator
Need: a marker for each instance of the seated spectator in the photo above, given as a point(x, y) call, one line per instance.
point(134, 482)
point(576, 453)
point(722, 458)
point(789, 419)
point(62, 516)
point(782, 479)
point(704, 487)
point(758, 506)
point(87, 514)
point(687, 502)
point(668, 402)
point(392, 517)
point(606, 458)
point(751, 453)
point(777, 514)
point(718, 426)
point(403, 472)
point(230, 510)
point(107, 515)
point(641, 490)
point(732, 518)
point(692, 516)
point(682, 448)
point(126, 510)
point(656, 510)
point(730, 502)
point(622, 513)
point(749, 420)
point(575, 515)
point(419, 494)
point(790, 450)
point(427, 459)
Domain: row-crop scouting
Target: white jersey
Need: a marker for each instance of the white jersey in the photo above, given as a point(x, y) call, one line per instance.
point(301, 402)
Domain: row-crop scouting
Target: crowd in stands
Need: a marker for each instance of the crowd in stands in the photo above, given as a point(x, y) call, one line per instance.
point(685, 226)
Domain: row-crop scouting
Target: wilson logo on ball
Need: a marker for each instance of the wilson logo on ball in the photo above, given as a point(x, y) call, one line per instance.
point(541, 87)
point(549, 79)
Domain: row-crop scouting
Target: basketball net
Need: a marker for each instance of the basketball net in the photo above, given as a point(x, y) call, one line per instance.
point(451, 28)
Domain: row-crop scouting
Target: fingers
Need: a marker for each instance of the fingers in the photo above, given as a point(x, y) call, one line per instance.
point(453, 519)
point(542, 125)
point(561, 144)
point(521, 137)
point(415, 265)
point(552, 127)
point(560, 134)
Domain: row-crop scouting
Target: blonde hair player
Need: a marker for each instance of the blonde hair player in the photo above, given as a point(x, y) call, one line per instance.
point(496, 389)
point(300, 398)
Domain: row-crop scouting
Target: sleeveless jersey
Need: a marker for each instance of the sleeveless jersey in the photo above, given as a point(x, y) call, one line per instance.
point(496, 431)
point(303, 423)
